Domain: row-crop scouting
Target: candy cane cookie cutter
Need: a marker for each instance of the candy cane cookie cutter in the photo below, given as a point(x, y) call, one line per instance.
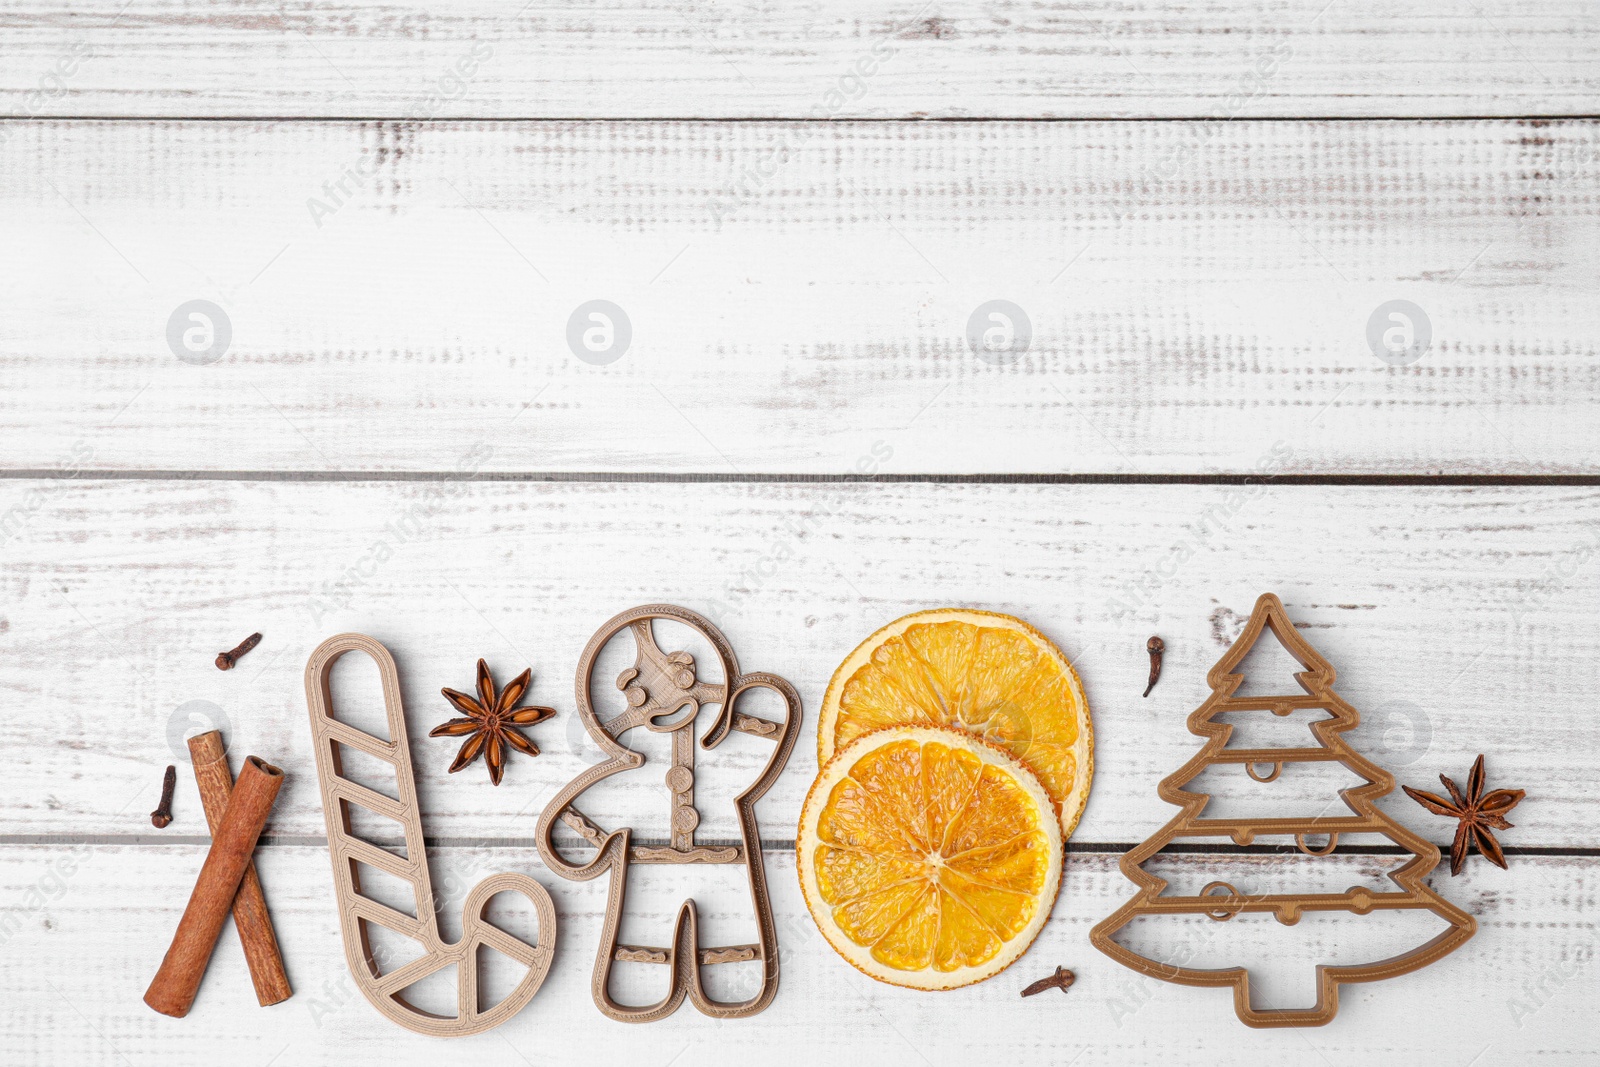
point(357, 912)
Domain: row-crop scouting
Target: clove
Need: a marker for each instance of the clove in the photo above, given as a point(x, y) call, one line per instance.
point(226, 660)
point(161, 818)
point(1155, 646)
point(1060, 980)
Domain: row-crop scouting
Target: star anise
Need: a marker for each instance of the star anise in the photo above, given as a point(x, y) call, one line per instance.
point(492, 722)
point(1479, 814)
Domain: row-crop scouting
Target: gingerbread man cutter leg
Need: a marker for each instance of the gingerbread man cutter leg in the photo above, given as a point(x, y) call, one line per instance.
point(664, 694)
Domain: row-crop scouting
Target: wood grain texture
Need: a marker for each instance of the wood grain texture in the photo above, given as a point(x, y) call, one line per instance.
point(89, 921)
point(1194, 296)
point(1459, 620)
point(832, 58)
point(399, 293)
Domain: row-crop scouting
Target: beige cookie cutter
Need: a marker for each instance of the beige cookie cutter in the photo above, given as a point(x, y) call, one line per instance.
point(1317, 682)
point(658, 686)
point(385, 991)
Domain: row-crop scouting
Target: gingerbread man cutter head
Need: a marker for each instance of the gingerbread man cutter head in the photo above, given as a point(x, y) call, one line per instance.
point(665, 694)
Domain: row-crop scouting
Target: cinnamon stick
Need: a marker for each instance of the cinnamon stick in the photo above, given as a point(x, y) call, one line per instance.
point(250, 915)
point(173, 990)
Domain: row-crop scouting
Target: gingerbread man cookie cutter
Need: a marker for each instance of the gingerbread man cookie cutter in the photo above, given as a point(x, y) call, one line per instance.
point(657, 688)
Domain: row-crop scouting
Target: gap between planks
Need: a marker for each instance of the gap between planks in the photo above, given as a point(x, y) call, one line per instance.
point(792, 120)
point(731, 478)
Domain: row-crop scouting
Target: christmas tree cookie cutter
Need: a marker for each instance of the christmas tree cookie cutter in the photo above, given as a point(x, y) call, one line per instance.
point(663, 686)
point(1317, 681)
point(386, 991)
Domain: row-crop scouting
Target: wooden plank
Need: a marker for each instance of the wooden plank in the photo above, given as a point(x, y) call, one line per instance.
point(1460, 621)
point(833, 58)
point(1191, 312)
point(86, 942)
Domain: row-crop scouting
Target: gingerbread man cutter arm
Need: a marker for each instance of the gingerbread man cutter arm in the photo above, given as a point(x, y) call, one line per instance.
point(657, 688)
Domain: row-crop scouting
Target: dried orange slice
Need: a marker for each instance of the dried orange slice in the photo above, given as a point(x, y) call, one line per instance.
point(928, 858)
point(990, 674)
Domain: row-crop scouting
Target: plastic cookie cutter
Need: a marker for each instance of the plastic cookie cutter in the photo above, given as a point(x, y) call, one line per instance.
point(1409, 893)
point(385, 989)
point(657, 688)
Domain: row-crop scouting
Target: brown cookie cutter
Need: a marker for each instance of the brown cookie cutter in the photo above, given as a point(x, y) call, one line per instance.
point(657, 687)
point(339, 794)
point(1317, 681)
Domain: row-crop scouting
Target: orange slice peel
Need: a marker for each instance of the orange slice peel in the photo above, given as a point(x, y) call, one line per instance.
point(989, 674)
point(928, 857)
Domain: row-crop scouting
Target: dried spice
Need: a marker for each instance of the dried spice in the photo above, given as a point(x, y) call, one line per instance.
point(1060, 980)
point(161, 818)
point(491, 722)
point(1155, 646)
point(251, 919)
point(173, 989)
point(1478, 812)
point(226, 660)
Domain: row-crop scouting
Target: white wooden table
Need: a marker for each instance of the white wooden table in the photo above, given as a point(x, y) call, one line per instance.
point(393, 211)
